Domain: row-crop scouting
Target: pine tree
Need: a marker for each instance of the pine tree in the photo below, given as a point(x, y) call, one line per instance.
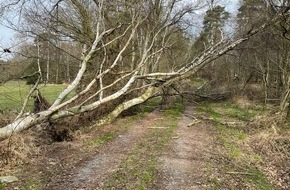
point(213, 23)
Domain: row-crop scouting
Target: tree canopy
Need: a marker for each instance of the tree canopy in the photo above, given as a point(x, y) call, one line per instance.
point(118, 54)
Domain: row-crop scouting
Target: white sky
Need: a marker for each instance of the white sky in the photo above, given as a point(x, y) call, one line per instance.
point(7, 35)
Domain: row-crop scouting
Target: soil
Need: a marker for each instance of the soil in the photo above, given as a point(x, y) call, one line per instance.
point(185, 164)
point(92, 172)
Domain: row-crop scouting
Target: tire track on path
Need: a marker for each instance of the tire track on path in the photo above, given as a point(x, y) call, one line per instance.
point(93, 173)
point(184, 166)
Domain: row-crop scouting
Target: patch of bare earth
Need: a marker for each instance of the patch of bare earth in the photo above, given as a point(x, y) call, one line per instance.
point(184, 165)
point(93, 171)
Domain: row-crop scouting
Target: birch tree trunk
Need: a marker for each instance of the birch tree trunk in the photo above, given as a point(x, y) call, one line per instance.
point(47, 64)
point(38, 60)
point(142, 76)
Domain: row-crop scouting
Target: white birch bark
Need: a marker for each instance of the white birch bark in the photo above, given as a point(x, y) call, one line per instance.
point(126, 105)
point(53, 114)
point(58, 109)
point(47, 64)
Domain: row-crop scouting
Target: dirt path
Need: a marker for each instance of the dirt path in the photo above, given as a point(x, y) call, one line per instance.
point(92, 173)
point(156, 151)
point(184, 165)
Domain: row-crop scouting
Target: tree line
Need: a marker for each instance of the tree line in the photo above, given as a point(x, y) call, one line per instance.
point(118, 54)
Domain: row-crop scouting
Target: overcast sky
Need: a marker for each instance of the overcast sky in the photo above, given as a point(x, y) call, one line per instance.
point(7, 35)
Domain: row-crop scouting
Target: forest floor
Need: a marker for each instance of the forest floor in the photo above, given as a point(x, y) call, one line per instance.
point(206, 146)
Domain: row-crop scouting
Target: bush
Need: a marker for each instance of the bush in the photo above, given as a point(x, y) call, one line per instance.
point(31, 79)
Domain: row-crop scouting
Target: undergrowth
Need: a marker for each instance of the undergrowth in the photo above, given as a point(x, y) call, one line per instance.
point(217, 110)
point(239, 162)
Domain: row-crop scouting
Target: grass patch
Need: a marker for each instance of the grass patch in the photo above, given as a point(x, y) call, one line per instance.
point(33, 184)
point(175, 110)
point(2, 186)
point(237, 157)
point(51, 91)
point(206, 107)
point(217, 110)
point(139, 170)
point(243, 114)
point(215, 183)
point(101, 140)
point(130, 120)
point(120, 126)
point(13, 94)
point(151, 104)
point(229, 137)
point(259, 180)
point(196, 81)
point(240, 158)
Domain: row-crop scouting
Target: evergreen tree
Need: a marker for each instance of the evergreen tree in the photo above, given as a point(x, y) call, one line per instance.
point(213, 23)
point(251, 13)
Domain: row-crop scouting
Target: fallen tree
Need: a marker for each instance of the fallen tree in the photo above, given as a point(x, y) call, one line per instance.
point(140, 43)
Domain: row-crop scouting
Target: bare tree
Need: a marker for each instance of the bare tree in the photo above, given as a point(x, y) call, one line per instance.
point(123, 46)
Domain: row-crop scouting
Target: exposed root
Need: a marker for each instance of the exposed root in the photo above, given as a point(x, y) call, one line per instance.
point(40, 103)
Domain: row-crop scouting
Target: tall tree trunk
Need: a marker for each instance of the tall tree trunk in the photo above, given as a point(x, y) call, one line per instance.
point(47, 65)
point(288, 113)
point(286, 96)
point(57, 72)
point(67, 70)
point(38, 60)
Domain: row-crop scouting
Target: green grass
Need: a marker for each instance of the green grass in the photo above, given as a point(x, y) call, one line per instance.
point(215, 183)
point(101, 140)
point(2, 186)
point(13, 93)
point(196, 81)
point(33, 184)
point(231, 139)
point(243, 114)
point(105, 137)
point(174, 110)
point(139, 170)
point(259, 179)
point(217, 110)
point(151, 104)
